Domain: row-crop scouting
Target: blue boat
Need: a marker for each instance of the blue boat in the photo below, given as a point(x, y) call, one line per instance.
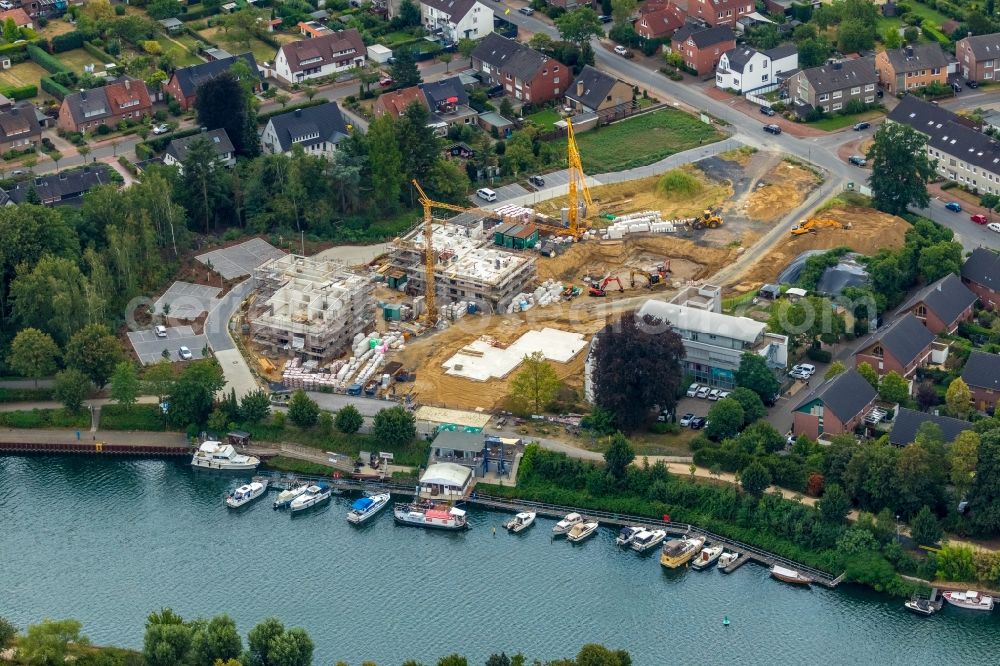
point(367, 507)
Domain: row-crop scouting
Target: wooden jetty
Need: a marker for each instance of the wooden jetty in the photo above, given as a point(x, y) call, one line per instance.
point(606, 518)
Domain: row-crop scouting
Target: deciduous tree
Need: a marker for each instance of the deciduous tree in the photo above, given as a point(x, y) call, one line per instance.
point(925, 528)
point(754, 374)
point(193, 393)
point(984, 495)
point(637, 366)
point(203, 183)
point(755, 479)
point(868, 372)
point(395, 426)
point(753, 406)
point(834, 505)
point(579, 25)
point(159, 379)
point(33, 354)
point(167, 641)
point(125, 384)
point(386, 163)
point(725, 419)
point(255, 407)
point(618, 456)
point(893, 388)
point(958, 398)
point(7, 633)
point(535, 384)
point(302, 410)
point(622, 11)
point(55, 297)
point(900, 168)
point(834, 369)
point(215, 640)
point(46, 643)
point(95, 352)
point(270, 644)
point(348, 420)
point(964, 457)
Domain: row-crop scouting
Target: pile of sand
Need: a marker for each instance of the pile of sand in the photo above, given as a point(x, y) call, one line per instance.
point(787, 186)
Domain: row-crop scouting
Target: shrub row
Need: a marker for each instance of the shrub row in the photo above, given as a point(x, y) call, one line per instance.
point(100, 54)
point(138, 417)
point(25, 395)
point(55, 89)
point(46, 60)
point(44, 418)
point(19, 92)
point(196, 14)
point(11, 48)
point(67, 41)
point(125, 162)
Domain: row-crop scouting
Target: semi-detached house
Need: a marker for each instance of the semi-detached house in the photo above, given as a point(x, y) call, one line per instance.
point(320, 56)
point(701, 47)
point(184, 82)
point(456, 19)
point(831, 87)
point(125, 99)
point(979, 57)
point(719, 12)
point(744, 68)
point(981, 274)
point(911, 67)
point(524, 73)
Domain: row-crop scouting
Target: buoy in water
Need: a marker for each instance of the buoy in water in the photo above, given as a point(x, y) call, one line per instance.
point(725, 621)
point(494, 531)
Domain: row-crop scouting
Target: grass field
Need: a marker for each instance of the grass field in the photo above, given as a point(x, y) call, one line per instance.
point(642, 140)
point(545, 119)
point(261, 52)
point(834, 123)
point(54, 28)
point(23, 74)
point(181, 56)
point(935, 18)
point(78, 58)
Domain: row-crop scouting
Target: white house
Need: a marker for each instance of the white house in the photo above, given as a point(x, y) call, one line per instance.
point(456, 19)
point(320, 56)
point(745, 69)
point(316, 129)
point(178, 149)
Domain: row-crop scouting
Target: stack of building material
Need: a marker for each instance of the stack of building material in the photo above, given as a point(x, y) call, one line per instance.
point(648, 221)
point(549, 292)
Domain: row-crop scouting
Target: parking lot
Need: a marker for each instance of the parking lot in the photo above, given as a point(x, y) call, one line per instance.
point(238, 260)
point(150, 348)
point(186, 300)
point(504, 192)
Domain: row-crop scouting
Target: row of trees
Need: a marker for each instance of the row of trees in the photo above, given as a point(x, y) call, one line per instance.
point(170, 640)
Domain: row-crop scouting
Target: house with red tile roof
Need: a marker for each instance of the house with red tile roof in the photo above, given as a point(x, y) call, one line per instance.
point(85, 111)
point(320, 56)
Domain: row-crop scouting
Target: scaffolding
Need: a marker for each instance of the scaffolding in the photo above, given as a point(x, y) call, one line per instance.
point(309, 308)
point(467, 267)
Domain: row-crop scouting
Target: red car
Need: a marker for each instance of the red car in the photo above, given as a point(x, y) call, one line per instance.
point(979, 219)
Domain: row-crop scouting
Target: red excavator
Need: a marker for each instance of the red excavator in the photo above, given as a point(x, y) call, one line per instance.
point(600, 289)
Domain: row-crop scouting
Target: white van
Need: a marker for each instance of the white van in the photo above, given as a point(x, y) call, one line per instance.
point(486, 193)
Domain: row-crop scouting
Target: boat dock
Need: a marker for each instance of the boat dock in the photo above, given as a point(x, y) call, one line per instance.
point(96, 447)
point(609, 519)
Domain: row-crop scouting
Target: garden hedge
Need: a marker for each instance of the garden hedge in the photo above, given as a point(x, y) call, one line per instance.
point(103, 56)
point(66, 42)
point(18, 93)
point(46, 60)
point(56, 90)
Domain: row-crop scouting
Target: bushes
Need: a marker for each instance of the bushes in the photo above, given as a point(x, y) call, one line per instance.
point(819, 355)
point(19, 92)
point(25, 395)
point(93, 50)
point(53, 88)
point(45, 60)
point(678, 182)
point(44, 418)
point(131, 168)
point(66, 42)
point(139, 417)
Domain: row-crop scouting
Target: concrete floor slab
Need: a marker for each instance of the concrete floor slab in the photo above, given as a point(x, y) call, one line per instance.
point(481, 361)
point(186, 300)
point(440, 415)
point(236, 260)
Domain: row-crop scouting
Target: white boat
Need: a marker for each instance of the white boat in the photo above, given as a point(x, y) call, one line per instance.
point(647, 539)
point(920, 607)
point(247, 493)
point(581, 531)
point(285, 497)
point(367, 507)
point(789, 575)
point(430, 515)
point(521, 521)
point(566, 524)
point(727, 558)
point(628, 533)
point(216, 455)
point(707, 557)
point(970, 600)
point(314, 494)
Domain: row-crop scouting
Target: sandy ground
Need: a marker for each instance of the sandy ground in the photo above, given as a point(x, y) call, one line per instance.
point(785, 187)
point(870, 231)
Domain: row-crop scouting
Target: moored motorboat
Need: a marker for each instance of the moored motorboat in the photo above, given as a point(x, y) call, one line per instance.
point(789, 575)
point(678, 552)
point(219, 456)
point(315, 494)
point(707, 557)
point(920, 607)
point(581, 531)
point(566, 524)
point(727, 558)
point(520, 522)
point(647, 540)
point(628, 533)
point(969, 600)
point(286, 496)
point(430, 515)
point(365, 508)
point(247, 493)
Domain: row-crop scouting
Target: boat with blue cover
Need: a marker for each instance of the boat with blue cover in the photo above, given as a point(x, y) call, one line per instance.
point(367, 507)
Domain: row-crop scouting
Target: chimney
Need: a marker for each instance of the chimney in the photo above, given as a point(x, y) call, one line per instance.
point(128, 85)
point(83, 95)
point(909, 51)
point(579, 88)
point(62, 175)
point(298, 113)
point(838, 65)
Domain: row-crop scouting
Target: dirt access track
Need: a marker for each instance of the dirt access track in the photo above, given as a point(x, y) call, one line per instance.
point(870, 232)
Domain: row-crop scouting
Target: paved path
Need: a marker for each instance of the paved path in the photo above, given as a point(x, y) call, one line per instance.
point(52, 436)
point(26, 383)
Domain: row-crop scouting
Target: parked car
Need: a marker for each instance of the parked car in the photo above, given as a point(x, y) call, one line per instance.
point(623, 52)
point(979, 219)
point(723, 395)
point(664, 415)
point(537, 181)
point(161, 331)
point(957, 87)
point(527, 11)
point(185, 353)
point(857, 160)
point(954, 206)
point(686, 420)
point(5, 4)
point(693, 390)
point(798, 374)
point(972, 84)
point(386, 81)
point(772, 129)
point(994, 226)
point(486, 194)
point(807, 368)
point(767, 111)
point(698, 422)
point(714, 394)
point(495, 91)
point(861, 126)
point(162, 128)
point(604, 18)
point(703, 392)
point(17, 172)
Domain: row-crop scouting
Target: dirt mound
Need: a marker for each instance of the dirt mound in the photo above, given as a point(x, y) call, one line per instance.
point(787, 186)
point(870, 231)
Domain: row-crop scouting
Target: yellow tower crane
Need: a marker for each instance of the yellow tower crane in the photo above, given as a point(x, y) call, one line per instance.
point(577, 182)
point(429, 205)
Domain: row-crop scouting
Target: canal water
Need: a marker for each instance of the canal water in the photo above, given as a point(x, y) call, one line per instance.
point(107, 542)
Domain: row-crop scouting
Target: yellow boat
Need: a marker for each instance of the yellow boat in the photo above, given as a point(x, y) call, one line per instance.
point(678, 552)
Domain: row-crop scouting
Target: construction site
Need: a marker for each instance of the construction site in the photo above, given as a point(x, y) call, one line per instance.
point(309, 308)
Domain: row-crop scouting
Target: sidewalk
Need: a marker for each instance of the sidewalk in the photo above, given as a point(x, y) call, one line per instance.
point(51, 436)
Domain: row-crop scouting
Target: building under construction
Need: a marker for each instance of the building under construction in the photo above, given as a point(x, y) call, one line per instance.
point(467, 266)
point(309, 308)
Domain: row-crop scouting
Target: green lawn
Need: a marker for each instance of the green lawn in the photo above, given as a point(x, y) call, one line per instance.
point(177, 51)
point(545, 119)
point(77, 59)
point(642, 140)
point(934, 17)
point(261, 52)
point(834, 123)
point(23, 74)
